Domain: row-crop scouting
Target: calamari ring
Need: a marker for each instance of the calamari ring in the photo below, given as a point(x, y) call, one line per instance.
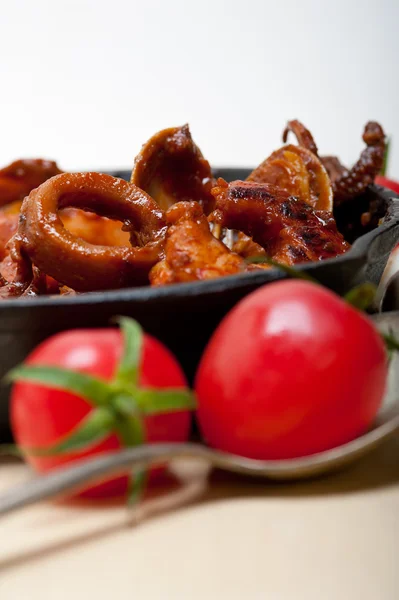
point(300, 173)
point(303, 135)
point(171, 168)
point(77, 263)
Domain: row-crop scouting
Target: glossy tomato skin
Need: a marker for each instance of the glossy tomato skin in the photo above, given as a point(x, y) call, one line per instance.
point(292, 370)
point(40, 416)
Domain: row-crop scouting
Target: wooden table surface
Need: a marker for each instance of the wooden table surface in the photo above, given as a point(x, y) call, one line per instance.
point(335, 538)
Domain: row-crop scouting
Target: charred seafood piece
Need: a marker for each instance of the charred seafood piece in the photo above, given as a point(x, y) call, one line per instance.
point(43, 239)
point(289, 229)
point(350, 183)
point(300, 173)
point(171, 168)
point(22, 176)
point(347, 183)
point(334, 168)
point(303, 136)
point(192, 253)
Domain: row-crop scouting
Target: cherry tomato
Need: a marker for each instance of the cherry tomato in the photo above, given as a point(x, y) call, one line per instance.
point(388, 183)
point(41, 415)
point(291, 371)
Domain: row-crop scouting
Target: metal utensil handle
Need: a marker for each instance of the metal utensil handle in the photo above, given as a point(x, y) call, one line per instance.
point(93, 470)
point(74, 477)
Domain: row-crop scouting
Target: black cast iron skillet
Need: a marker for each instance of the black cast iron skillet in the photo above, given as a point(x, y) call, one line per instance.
point(184, 316)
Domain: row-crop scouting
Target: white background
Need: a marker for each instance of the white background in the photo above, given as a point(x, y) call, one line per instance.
point(87, 82)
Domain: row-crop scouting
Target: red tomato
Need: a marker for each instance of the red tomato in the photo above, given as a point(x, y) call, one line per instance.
point(40, 416)
point(388, 183)
point(292, 370)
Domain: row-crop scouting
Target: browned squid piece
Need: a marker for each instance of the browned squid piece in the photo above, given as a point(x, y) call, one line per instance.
point(9, 216)
point(289, 229)
point(192, 253)
point(22, 176)
point(16, 181)
point(303, 135)
point(334, 168)
point(43, 241)
point(18, 277)
point(37, 285)
point(305, 140)
point(171, 168)
point(346, 183)
point(298, 171)
point(350, 183)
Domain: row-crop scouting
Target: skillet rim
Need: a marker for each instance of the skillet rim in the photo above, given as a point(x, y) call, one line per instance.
point(359, 250)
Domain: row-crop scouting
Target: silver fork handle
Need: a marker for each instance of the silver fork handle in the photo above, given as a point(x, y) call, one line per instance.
point(73, 477)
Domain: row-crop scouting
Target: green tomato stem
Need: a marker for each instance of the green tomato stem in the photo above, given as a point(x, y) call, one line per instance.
point(119, 406)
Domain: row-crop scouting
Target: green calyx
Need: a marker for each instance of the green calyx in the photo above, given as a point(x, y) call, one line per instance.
point(119, 406)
